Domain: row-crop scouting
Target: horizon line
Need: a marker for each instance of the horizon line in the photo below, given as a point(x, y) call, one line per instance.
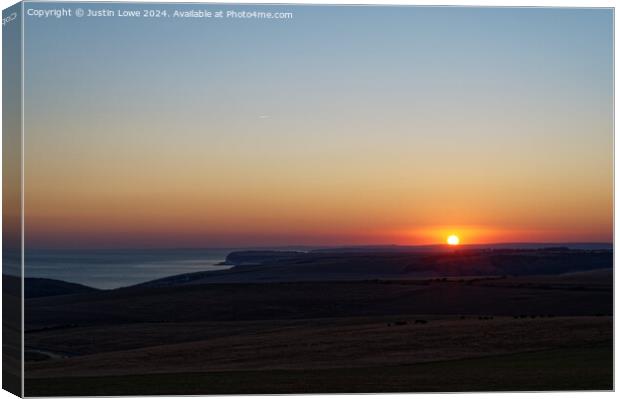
point(326, 246)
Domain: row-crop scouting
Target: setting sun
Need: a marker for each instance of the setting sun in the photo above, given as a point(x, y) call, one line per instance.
point(453, 240)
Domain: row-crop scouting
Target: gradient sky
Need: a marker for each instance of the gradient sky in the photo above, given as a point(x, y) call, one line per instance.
point(345, 125)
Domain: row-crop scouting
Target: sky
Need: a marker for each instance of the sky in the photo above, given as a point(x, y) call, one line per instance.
point(344, 125)
point(11, 138)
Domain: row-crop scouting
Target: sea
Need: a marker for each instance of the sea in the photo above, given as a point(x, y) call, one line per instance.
point(108, 269)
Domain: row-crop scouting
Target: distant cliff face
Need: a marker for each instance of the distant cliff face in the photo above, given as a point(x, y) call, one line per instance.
point(261, 266)
point(248, 258)
point(291, 266)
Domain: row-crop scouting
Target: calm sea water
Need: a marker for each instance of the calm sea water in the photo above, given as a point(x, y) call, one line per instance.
point(119, 268)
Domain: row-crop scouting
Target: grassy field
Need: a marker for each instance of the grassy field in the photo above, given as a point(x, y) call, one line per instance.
point(303, 344)
point(280, 301)
point(508, 333)
point(559, 369)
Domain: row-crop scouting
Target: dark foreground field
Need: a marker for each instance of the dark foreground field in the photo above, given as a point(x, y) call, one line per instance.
point(561, 369)
point(460, 333)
